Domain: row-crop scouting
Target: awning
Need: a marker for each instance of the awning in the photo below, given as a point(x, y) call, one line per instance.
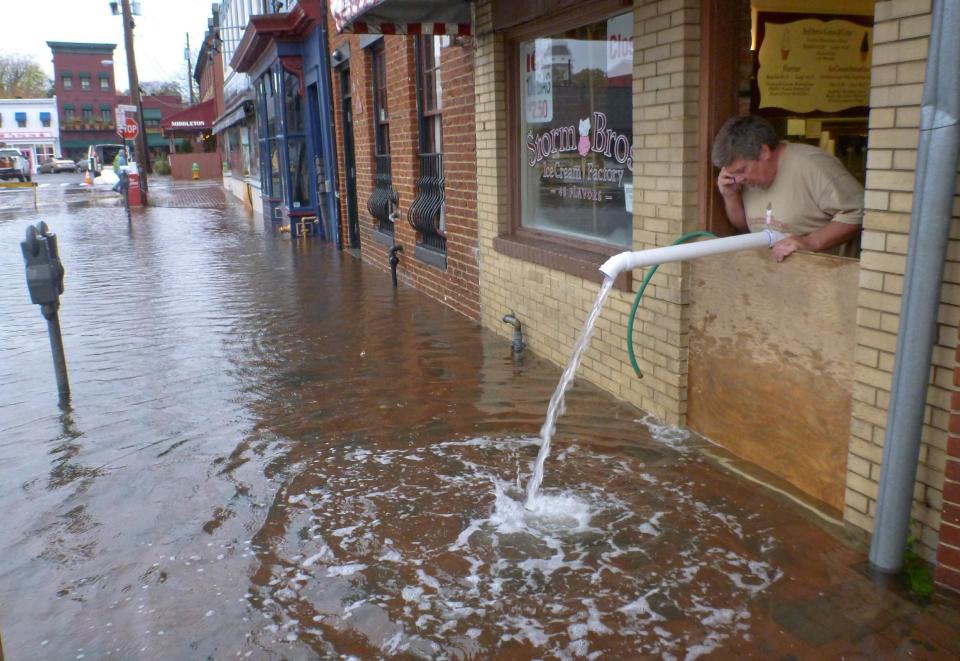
point(228, 119)
point(21, 116)
point(402, 16)
point(194, 118)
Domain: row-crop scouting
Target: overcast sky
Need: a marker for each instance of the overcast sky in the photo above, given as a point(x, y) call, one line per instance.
point(159, 35)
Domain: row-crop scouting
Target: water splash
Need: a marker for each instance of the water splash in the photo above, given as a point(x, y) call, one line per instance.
point(556, 407)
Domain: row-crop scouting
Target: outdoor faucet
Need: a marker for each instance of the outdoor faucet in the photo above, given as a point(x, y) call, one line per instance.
point(394, 260)
point(517, 331)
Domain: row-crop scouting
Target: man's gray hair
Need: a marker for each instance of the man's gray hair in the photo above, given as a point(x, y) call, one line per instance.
point(742, 137)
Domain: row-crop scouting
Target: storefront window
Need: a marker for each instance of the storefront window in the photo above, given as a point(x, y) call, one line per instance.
point(270, 89)
point(299, 173)
point(293, 101)
point(253, 157)
point(44, 153)
point(273, 164)
point(576, 135)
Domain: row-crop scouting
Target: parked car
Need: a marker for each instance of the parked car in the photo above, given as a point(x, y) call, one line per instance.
point(52, 165)
point(83, 164)
point(13, 165)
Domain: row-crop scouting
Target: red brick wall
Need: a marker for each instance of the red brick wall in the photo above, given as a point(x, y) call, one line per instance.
point(948, 553)
point(87, 63)
point(458, 286)
point(181, 165)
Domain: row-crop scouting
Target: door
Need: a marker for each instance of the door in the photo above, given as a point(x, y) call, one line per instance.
point(349, 158)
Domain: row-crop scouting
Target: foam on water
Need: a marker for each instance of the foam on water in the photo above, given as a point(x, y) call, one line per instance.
point(450, 563)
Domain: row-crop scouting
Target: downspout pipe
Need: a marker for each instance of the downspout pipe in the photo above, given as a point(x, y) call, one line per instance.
point(936, 174)
point(627, 261)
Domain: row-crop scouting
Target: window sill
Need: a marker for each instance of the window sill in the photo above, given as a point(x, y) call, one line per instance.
point(431, 256)
point(383, 238)
point(572, 258)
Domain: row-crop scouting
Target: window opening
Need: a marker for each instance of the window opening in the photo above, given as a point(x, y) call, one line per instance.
point(427, 212)
point(575, 108)
point(384, 198)
point(297, 151)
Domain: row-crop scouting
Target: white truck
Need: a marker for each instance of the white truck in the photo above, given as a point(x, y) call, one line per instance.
point(13, 165)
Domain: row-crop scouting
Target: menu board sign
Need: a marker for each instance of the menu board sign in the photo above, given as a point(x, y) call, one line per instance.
point(811, 65)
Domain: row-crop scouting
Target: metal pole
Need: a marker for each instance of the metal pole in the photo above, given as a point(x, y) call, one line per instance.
point(936, 173)
point(186, 56)
point(143, 157)
point(49, 311)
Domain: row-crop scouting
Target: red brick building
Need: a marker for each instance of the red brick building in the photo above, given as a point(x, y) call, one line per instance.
point(86, 94)
point(406, 151)
point(87, 98)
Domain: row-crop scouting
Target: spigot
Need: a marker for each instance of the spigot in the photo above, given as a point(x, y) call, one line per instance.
point(394, 260)
point(517, 331)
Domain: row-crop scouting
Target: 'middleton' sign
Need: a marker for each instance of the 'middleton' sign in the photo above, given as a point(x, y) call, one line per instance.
point(189, 123)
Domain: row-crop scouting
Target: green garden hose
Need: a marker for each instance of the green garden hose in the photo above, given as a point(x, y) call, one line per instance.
point(636, 301)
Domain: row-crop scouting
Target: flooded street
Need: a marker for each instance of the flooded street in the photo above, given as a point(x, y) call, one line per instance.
point(270, 453)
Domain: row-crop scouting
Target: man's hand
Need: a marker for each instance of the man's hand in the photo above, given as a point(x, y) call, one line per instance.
point(832, 234)
point(786, 247)
point(728, 184)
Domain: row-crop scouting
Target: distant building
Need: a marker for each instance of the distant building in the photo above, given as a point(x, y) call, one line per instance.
point(236, 124)
point(190, 131)
point(156, 107)
point(86, 94)
point(87, 99)
point(31, 126)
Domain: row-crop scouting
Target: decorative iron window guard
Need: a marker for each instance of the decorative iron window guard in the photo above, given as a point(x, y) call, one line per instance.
point(384, 198)
point(424, 213)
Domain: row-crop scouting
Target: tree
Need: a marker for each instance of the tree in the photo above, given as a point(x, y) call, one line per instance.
point(155, 87)
point(22, 77)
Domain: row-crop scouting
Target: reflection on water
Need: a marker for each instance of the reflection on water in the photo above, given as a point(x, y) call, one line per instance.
point(272, 454)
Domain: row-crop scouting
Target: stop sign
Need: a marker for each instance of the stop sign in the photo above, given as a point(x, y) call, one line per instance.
point(130, 129)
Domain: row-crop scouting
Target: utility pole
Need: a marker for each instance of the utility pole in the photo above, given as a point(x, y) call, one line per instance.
point(186, 56)
point(143, 156)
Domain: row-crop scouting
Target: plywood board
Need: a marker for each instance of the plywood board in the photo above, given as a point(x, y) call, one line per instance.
point(771, 363)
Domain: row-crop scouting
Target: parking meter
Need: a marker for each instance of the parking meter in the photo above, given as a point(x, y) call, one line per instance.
point(45, 284)
point(44, 269)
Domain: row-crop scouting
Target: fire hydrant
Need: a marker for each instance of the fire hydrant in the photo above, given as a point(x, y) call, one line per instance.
point(195, 169)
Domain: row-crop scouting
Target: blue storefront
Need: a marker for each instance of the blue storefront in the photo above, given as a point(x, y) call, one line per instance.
point(285, 55)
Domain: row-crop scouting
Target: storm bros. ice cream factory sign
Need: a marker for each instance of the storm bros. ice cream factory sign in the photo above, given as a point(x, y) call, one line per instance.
point(590, 136)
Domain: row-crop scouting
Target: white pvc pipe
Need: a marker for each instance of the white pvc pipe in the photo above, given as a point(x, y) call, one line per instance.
point(641, 258)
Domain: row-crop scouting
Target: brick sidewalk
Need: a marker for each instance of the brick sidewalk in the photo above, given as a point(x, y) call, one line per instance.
point(187, 195)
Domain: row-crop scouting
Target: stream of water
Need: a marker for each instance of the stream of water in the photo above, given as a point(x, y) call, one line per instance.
point(556, 407)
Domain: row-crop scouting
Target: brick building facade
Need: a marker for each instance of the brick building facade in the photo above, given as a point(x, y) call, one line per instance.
point(794, 378)
point(86, 95)
point(444, 264)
